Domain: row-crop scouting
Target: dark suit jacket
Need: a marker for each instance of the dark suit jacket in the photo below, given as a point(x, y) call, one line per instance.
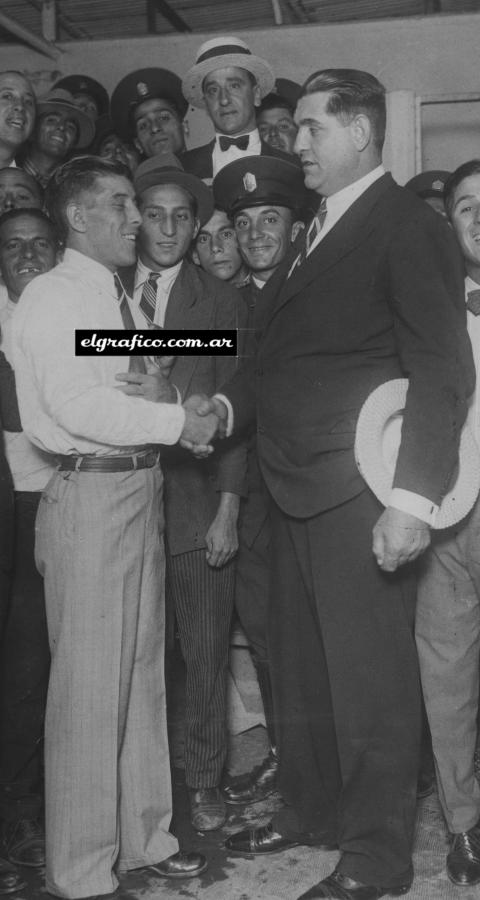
point(192, 487)
point(380, 297)
point(198, 161)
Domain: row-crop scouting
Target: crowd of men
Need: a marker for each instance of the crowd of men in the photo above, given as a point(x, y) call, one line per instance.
point(146, 494)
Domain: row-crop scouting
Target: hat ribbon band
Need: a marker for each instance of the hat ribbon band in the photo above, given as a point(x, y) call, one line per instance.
point(222, 51)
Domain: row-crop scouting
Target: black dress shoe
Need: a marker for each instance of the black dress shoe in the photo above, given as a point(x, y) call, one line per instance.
point(340, 887)
point(207, 808)
point(24, 843)
point(181, 865)
point(463, 861)
point(10, 879)
point(265, 840)
point(258, 784)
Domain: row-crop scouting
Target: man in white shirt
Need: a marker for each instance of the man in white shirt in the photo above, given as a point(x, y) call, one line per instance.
point(228, 81)
point(448, 608)
point(28, 247)
point(373, 291)
point(99, 548)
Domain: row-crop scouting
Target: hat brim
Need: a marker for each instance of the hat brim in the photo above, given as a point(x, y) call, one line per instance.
point(203, 194)
point(85, 125)
point(84, 84)
point(259, 68)
point(377, 441)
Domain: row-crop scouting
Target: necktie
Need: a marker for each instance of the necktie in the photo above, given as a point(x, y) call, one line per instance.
point(473, 302)
point(148, 300)
point(310, 234)
point(240, 142)
point(135, 363)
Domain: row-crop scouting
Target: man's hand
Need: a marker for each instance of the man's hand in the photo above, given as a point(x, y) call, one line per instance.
point(198, 431)
point(214, 405)
point(398, 538)
point(153, 386)
point(221, 538)
point(164, 363)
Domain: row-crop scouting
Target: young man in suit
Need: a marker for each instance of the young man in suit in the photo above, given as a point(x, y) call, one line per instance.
point(447, 619)
point(228, 81)
point(372, 292)
point(201, 496)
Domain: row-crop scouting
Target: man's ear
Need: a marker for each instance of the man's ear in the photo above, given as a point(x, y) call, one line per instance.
point(257, 99)
point(75, 214)
point(138, 146)
point(361, 131)
point(297, 227)
point(195, 257)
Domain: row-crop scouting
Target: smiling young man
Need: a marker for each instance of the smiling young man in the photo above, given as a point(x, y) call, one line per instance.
point(60, 128)
point(28, 247)
point(201, 496)
point(17, 115)
point(99, 547)
point(448, 607)
point(19, 189)
point(228, 81)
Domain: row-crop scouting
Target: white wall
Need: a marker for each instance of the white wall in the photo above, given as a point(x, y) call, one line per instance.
point(427, 55)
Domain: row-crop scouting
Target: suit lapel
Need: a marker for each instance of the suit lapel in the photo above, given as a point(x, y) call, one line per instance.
point(350, 230)
point(185, 310)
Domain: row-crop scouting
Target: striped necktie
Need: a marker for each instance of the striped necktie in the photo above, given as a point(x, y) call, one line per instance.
point(309, 235)
point(135, 363)
point(148, 300)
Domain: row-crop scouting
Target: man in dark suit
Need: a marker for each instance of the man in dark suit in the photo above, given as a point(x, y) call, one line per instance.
point(228, 81)
point(374, 292)
point(201, 496)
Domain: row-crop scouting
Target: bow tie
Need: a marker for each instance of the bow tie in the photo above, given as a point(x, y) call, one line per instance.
point(240, 142)
point(473, 302)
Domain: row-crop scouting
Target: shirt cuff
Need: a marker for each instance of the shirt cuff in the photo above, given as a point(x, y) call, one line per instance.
point(415, 504)
point(229, 406)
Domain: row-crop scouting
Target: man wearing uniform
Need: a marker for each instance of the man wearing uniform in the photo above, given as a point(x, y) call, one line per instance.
point(267, 200)
point(148, 108)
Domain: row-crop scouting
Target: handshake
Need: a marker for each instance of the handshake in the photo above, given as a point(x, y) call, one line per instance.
point(205, 419)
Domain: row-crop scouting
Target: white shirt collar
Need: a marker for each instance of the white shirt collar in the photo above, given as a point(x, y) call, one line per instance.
point(90, 269)
point(344, 198)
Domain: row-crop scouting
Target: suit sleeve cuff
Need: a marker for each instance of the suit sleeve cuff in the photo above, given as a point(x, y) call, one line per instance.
point(229, 406)
point(415, 504)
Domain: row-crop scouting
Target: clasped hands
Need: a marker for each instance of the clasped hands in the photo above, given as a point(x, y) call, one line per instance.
point(205, 419)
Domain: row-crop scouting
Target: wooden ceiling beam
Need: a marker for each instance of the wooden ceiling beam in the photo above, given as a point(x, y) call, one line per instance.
point(28, 37)
point(171, 16)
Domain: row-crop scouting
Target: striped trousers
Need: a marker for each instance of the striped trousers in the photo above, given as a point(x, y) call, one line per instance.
point(203, 601)
point(108, 787)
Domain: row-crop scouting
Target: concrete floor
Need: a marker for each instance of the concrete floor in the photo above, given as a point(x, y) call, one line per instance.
point(283, 876)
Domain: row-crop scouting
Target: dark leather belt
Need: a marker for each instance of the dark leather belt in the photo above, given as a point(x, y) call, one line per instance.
point(143, 460)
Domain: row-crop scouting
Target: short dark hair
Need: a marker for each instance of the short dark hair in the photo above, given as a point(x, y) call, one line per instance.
point(472, 167)
point(34, 213)
point(352, 92)
point(73, 178)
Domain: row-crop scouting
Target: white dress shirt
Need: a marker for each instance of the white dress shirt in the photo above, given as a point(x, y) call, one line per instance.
point(72, 404)
point(164, 286)
point(473, 328)
point(31, 467)
point(221, 158)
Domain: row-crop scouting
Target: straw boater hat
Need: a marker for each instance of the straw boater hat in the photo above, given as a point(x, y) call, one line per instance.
point(219, 53)
point(166, 169)
point(59, 99)
point(377, 441)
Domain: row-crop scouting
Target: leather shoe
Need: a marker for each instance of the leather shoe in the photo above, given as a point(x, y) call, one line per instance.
point(257, 785)
point(207, 808)
point(10, 879)
point(340, 887)
point(463, 861)
point(181, 865)
point(265, 840)
point(24, 843)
